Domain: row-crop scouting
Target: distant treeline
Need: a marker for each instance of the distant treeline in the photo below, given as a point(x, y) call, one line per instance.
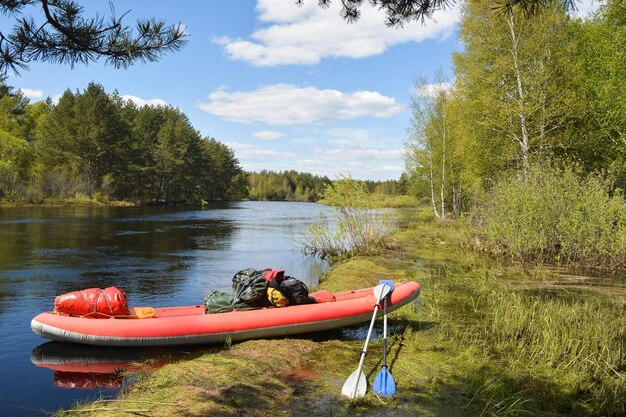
point(285, 186)
point(97, 146)
point(300, 186)
point(389, 187)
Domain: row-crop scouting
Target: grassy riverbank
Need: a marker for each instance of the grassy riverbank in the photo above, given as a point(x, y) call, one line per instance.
point(79, 201)
point(486, 339)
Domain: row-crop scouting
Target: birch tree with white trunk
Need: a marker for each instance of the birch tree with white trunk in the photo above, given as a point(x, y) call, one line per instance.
point(428, 142)
point(518, 85)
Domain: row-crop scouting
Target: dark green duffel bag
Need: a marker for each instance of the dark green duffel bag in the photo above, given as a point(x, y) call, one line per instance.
point(218, 302)
point(250, 289)
point(252, 294)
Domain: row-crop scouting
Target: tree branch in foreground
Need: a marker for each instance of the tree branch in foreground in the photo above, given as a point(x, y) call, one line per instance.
point(65, 36)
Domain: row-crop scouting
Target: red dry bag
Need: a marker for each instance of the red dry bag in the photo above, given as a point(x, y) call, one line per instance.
point(276, 276)
point(93, 302)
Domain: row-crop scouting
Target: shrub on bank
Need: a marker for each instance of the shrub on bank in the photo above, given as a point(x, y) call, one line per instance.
point(356, 226)
point(553, 215)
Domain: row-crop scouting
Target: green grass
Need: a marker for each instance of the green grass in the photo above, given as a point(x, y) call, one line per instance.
point(81, 200)
point(541, 355)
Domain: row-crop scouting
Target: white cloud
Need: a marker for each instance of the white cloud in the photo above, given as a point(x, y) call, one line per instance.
point(431, 90)
point(358, 138)
point(286, 104)
point(358, 169)
point(372, 153)
point(247, 151)
point(348, 154)
point(364, 154)
point(32, 94)
point(585, 8)
point(143, 102)
point(306, 35)
point(268, 135)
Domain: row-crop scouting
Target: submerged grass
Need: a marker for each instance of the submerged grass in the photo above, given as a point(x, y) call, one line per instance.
point(557, 356)
point(478, 344)
point(533, 353)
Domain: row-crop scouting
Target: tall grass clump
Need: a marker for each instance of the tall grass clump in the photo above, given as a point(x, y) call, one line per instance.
point(554, 215)
point(356, 227)
point(538, 352)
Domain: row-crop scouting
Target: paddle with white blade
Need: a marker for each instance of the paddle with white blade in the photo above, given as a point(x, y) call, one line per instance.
point(384, 384)
point(356, 384)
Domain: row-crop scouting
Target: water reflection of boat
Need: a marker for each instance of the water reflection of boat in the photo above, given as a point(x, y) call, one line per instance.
point(89, 367)
point(80, 380)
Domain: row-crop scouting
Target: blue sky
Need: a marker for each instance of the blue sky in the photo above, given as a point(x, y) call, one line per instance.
point(285, 87)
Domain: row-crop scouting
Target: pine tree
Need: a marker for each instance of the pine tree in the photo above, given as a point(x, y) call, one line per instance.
point(66, 36)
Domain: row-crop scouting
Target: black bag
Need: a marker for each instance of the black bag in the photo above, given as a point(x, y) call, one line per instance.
point(250, 290)
point(241, 278)
point(295, 290)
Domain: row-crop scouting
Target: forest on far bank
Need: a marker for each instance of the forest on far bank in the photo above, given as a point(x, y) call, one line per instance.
point(93, 146)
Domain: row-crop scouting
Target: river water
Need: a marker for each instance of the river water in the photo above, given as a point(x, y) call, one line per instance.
point(161, 256)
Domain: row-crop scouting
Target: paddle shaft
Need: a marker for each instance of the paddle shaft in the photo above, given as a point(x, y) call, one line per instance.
point(364, 352)
point(385, 334)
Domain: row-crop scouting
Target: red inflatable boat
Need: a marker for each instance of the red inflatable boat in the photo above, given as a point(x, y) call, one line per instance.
point(190, 325)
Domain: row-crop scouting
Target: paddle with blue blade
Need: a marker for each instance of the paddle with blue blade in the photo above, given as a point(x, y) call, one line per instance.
point(356, 384)
point(384, 384)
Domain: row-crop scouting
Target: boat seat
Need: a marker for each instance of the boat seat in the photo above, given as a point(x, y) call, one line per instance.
point(323, 296)
point(142, 312)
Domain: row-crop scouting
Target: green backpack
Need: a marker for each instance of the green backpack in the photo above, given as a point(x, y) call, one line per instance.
point(218, 302)
point(241, 279)
point(249, 292)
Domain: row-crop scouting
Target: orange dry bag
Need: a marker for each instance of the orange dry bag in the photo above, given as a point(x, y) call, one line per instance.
point(93, 302)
